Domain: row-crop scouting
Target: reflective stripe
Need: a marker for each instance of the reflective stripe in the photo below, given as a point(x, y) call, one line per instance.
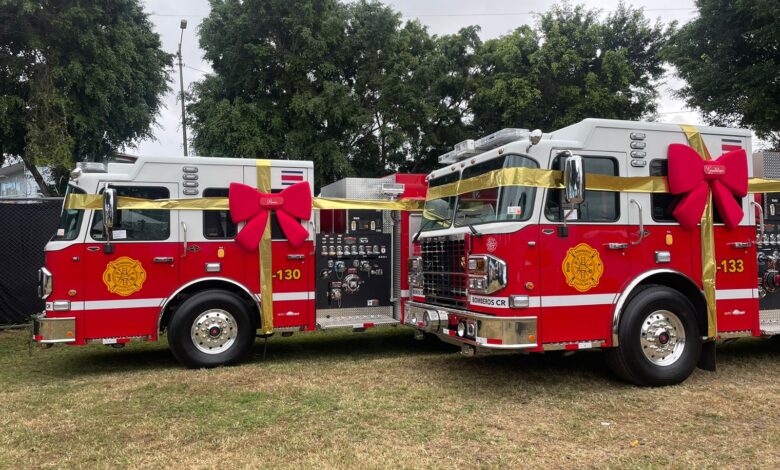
point(281, 296)
point(577, 300)
point(405, 293)
point(734, 294)
point(115, 304)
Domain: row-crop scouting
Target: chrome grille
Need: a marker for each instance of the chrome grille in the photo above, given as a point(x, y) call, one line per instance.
point(444, 271)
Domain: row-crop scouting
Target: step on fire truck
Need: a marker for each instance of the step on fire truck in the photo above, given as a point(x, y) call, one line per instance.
point(539, 268)
point(181, 269)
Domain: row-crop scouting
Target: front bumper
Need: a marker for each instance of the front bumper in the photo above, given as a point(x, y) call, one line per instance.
point(479, 330)
point(54, 330)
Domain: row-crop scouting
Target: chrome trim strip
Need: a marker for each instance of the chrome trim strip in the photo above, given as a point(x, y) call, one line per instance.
point(627, 292)
point(167, 300)
point(466, 313)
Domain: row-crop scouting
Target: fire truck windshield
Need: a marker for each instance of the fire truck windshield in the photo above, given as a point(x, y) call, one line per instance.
point(70, 220)
point(437, 213)
point(507, 203)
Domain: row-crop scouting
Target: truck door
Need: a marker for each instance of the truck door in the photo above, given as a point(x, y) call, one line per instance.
point(583, 270)
point(125, 288)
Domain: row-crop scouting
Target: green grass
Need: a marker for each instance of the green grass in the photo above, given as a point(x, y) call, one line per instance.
point(377, 400)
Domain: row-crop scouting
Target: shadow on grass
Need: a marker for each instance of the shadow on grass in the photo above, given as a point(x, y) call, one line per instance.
point(334, 346)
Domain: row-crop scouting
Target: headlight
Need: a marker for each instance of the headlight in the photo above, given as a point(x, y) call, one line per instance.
point(45, 283)
point(487, 274)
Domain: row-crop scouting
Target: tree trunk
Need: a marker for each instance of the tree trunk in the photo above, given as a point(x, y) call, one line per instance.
point(38, 178)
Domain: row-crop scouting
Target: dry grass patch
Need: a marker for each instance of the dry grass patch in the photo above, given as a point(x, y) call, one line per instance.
point(377, 400)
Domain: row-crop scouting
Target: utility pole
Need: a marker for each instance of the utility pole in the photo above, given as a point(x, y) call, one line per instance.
point(183, 26)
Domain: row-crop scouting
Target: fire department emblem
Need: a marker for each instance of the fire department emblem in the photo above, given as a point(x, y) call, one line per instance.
point(582, 267)
point(124, 276)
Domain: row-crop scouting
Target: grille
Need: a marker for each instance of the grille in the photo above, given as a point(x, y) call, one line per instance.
point(444, 271)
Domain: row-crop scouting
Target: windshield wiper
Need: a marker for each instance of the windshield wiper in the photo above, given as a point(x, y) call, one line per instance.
point(473, 230)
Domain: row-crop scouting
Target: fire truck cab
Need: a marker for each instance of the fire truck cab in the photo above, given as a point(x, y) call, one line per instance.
point(153, 269)
point(532, 269)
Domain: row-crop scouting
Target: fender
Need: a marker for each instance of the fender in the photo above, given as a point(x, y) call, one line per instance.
point(624, 296)
point(200, 280)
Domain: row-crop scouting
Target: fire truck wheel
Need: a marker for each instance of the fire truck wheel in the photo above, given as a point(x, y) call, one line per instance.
point(659, 339)
point(210, 329)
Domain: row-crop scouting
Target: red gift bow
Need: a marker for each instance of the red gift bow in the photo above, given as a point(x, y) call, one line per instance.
point(726, 177)
point(247, 203)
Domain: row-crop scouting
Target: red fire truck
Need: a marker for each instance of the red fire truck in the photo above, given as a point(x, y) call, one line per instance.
point(539, 267)
point(169, 260)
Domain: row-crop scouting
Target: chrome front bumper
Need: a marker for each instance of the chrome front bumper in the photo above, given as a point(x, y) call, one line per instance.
point(478, 330)
point(53, 330)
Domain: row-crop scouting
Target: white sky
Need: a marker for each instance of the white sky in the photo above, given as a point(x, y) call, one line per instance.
point(495, 17)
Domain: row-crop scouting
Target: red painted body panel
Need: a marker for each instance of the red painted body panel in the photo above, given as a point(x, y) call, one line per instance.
point(572, 322)
point(161, 280)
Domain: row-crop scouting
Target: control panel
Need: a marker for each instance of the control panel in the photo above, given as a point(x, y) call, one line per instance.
point(353, 270)
point(769, 255)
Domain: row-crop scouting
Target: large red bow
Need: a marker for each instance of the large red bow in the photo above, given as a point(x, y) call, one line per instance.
point(726, 177)
point(247, 203)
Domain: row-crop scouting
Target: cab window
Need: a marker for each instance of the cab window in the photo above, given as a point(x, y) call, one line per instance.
point(136, 224)
point(599, 206)
point(217, 224)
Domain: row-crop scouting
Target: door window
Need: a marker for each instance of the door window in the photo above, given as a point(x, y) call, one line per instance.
point(137, 224)
point(599, 206)
point(217, 224)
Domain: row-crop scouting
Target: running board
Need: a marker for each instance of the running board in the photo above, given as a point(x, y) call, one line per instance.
point(356, 322)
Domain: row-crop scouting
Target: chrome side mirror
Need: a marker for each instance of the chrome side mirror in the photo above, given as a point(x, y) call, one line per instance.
point(574, 180)
point(109, 217)
point(109, 208)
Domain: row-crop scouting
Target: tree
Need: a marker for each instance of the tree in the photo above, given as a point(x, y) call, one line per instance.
point(345, 85)
point(571, 66)
point(730, 58)
point(78, 79)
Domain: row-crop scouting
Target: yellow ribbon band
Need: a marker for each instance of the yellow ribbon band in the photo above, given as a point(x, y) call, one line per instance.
point(95, 202)
point(708, 268)
point(266, 256)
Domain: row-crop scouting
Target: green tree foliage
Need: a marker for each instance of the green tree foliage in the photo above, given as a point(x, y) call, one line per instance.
point(571, 66)
point(78, 79)
point(360, 92)
point(730, 58)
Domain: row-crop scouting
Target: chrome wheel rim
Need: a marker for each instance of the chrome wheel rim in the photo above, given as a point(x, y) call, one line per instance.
point(662, 338)
point(214, 331)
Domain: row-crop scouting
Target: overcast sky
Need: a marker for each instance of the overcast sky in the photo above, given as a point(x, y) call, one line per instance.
point(495, 17)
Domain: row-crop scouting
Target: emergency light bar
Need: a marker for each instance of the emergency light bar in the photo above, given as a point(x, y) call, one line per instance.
point(471, 147)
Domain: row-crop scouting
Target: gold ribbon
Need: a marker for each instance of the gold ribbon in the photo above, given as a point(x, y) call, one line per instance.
point(95, 202)
point(708, 269)
point(266, 256)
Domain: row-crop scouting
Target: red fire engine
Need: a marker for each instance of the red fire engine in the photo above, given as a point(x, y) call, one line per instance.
point(501, 265)
point(159, 252)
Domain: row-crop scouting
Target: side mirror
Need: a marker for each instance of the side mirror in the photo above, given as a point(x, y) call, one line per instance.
point(574, 180)
point(109, 208)
point(109, 217)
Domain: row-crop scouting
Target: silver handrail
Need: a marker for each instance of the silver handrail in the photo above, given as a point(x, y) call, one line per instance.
point(184, 227)
point(641, 223)
point(760, 236)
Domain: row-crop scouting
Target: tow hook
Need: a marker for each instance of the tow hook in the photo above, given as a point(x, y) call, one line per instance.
point(468, 350)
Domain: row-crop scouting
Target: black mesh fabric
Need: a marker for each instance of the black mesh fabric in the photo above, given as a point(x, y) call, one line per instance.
point(25, 227)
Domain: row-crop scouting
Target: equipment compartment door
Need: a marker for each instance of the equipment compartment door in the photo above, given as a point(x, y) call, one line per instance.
point(583, 271)
point(124, 289)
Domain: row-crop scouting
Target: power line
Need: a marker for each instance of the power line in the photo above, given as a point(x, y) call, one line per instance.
point(197, 70)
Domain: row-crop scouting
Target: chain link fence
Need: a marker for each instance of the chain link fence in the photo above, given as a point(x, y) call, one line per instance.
point(25, 227)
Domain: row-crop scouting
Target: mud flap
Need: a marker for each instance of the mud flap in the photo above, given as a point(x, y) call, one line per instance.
point(707, 358)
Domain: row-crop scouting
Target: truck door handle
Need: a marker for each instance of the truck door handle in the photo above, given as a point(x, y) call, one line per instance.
point(617, 246)
point(163, 259)
point(296, 256)
point(740, 244)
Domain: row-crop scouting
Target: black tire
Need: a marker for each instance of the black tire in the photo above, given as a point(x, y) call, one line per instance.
point(229, 330)
point(643, 363)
